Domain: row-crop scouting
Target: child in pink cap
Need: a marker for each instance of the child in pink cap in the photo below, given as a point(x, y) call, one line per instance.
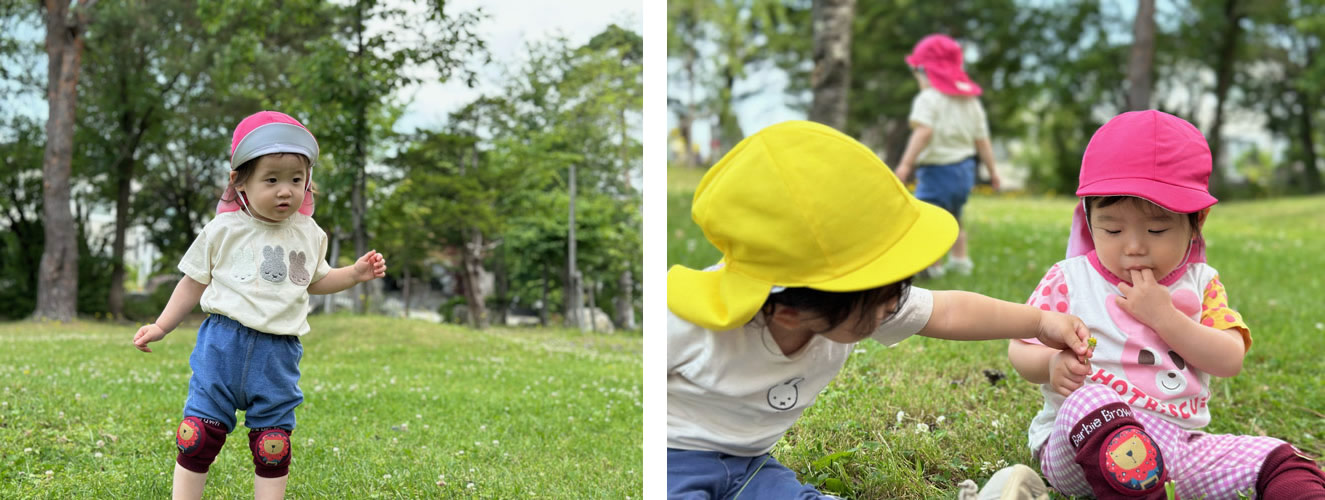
point(1122, 421)
point(949, 130)
point(253, 267)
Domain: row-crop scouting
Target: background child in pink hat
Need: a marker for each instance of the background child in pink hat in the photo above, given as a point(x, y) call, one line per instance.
point(253, 267)
point(1123, 421)
point(949, 129)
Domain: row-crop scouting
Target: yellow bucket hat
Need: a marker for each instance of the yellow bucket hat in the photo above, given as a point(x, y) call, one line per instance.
point(799, 204)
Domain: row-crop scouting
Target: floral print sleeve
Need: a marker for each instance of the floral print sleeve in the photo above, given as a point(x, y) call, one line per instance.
point(1049, 295)
point(1215, 312)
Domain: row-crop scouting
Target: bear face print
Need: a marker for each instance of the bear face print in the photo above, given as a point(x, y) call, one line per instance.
point(298, 273)
point(1147, 360)
point(243, 265)
point(783, 396)
point(273, 263)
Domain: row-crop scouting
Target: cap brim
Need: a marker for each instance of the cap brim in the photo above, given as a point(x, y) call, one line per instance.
point(952, 81)
point(1173, 198)
point(721, 300)
point(928, 240)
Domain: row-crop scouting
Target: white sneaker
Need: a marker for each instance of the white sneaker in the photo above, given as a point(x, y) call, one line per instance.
point(934, 272)
point(960, 266)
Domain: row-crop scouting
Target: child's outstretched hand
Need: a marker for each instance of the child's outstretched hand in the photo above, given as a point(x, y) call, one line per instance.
point(1067, 372)
point(1063, 331)
point(1145, 299)
point(369, 267)
point(148, 333)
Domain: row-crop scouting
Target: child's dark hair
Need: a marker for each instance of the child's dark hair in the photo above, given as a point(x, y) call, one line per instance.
point(836, 307)
point(1193, 219)
point(246, 169)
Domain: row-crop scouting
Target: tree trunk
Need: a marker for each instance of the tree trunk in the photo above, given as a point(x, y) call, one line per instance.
point(57, 290)
point(1141, 64)
point(1310, 176)
point(329, 302)
point(405, 291)
point(547, 285)
point(503, 291)
point(1223, 81)
point(574, 291)
point(625, 301)
point(592, 289)
point(357, 207)
point(831, 78)
point(471, 261)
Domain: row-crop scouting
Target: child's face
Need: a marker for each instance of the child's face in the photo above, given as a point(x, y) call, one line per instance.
point(850, 330)
point(276, 188)
point(1136, 234)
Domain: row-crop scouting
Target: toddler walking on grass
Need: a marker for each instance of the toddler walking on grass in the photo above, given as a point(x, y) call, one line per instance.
point(253, 267)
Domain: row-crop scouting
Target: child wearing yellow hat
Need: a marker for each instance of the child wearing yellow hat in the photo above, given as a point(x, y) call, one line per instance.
point(819, 242)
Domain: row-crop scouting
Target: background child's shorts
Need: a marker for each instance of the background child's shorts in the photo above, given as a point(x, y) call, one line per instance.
point(238, 368)
point(947, 186)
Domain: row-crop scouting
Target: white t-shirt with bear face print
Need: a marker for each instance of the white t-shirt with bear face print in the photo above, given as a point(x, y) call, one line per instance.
point(256, 272)
point(735, 392)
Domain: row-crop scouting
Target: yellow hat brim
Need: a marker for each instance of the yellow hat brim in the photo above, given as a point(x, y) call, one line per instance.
point(722, 299)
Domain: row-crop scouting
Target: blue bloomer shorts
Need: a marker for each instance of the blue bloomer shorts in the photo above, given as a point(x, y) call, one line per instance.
point(947, 186)
point(238, 368)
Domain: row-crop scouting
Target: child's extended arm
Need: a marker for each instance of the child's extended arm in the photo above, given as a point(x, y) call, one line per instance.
point(372, 265)
point(986, 152)
point(1214, 351)
point(920, 135)
point(182, 300)
point(971, 316)
point(1063, 371)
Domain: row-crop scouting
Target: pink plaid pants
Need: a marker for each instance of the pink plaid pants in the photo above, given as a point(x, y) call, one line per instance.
point(1215, 465)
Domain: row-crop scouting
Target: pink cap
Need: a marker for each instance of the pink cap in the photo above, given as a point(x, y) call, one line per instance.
point(941, 58)
point(264, 133)
point(1151, 155)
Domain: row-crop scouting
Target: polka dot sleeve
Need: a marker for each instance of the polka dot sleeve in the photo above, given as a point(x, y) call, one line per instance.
point(1216, 314)
point(1049, 295)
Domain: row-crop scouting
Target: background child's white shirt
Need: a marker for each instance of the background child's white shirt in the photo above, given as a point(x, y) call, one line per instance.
point(735, 392)
point(257, 273)
point(956, 121)
point(1089, 293)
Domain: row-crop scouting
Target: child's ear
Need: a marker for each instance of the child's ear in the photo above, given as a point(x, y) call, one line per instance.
point(233, 176)
point(1200, 219)
point(787, 317)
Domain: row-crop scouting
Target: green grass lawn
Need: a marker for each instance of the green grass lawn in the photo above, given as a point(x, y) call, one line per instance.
point(393, 409)
point(913, 420)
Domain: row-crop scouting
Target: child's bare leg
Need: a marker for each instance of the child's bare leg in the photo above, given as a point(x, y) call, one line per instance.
point(269, 488)
point(188, 484)
point(959, 247)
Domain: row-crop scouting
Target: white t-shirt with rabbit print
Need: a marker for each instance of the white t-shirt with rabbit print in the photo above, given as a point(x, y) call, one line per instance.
point(257, 273)
point(735, 392)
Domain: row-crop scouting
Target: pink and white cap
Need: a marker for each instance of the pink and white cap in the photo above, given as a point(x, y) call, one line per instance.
point(264, 133)
point(1151, 155)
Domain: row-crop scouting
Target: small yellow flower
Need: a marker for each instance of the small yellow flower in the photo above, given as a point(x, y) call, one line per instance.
point(1091, 342)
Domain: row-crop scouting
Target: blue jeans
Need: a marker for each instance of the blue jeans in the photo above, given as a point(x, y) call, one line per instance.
point(703, 475)
point(947, 186)
point(238, 368)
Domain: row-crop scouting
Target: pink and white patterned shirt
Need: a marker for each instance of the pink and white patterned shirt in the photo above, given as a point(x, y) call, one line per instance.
point(1130, 357)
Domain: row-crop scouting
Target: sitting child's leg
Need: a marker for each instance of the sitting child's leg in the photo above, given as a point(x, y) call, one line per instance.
point(1099, 448)
point(765, 477)
point(708, 474)
point(1287, 473)
point(1219, 465)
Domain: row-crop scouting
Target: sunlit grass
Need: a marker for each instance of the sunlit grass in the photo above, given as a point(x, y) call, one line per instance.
point(393, 408)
